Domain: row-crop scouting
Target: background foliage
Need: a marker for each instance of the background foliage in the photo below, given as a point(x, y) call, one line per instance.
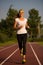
point(7, 31)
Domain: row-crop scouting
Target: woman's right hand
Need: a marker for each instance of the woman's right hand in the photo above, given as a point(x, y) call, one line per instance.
point(20, 26)
point(17, 27)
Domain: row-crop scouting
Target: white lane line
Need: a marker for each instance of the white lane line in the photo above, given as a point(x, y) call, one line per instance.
point(35, 54)
point(9, 56)
point(7, 48)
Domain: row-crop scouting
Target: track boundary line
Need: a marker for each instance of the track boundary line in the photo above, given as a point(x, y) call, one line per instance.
point(7, 47)
point(9, 56)
point(35, 54)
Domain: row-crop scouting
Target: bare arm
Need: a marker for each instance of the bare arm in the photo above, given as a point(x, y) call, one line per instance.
point(15, 24)
point(27, 26)
point(17, 27)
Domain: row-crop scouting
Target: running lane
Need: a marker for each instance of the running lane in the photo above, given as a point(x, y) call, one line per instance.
point(39, 51)
point(16, 59)
point(5, 52)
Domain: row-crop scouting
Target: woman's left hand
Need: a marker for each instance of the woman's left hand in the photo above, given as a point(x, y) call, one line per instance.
point(27, 26)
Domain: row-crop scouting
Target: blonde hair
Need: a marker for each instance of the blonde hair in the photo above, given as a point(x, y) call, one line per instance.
point(21, 10)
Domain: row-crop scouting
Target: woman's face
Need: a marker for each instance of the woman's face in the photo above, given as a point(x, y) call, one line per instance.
point(21, 14)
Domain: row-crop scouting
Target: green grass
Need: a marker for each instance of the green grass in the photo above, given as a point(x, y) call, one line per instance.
point(14, 42)
point(7, 43)
point(41, 43)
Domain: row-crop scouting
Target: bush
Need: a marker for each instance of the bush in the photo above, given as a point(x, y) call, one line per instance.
point(35, 39)
point(3, 37)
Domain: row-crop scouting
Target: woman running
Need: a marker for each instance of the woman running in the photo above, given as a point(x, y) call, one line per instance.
point(21, 25)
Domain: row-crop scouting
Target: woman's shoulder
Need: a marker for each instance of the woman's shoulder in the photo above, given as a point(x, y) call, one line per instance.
point(25, 19)
point(16, 19)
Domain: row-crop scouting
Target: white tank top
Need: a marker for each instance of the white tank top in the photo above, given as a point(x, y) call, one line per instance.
point(23, 23)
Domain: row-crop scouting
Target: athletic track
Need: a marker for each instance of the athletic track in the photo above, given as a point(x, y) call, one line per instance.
point(9, 55)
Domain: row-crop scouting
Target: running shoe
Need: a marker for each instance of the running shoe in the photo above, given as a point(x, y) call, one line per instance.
point(23, 61)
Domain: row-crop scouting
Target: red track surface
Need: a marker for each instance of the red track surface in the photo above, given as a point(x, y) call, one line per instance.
point(16, 59)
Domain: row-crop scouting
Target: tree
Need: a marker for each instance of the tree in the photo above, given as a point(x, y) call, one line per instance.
point(12, 13)
point(41, 30)
point(34, 20)
point(2, 25)
point(6, 25)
